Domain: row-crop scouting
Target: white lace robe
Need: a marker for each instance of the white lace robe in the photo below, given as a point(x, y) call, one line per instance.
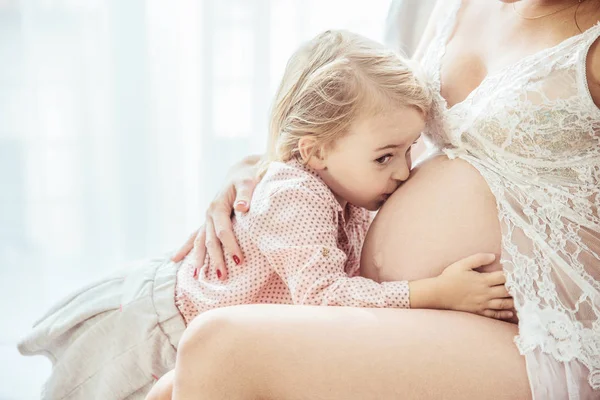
point(533, 132)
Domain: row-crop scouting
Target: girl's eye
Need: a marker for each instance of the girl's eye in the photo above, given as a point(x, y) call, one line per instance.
point(384, 159)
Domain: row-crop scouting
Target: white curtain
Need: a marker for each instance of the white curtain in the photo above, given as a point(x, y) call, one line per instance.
point(405, 24)
point(118, 120)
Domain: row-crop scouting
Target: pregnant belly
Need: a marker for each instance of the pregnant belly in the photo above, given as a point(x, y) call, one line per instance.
point(443, 213)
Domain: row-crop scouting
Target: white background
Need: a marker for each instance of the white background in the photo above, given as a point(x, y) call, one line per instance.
point(118, 120)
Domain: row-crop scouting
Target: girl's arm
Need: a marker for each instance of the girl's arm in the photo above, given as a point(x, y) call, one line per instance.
point(297, 231)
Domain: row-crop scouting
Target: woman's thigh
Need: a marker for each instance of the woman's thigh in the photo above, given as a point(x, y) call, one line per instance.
point(292, 352)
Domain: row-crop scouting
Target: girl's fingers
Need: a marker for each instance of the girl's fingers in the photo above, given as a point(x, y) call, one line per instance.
point(185, 249)
point(215, 252)
point(224, 232)
point(501, 304)
point(503, 315)
point(495, 278)
point(477, 260)
point(497, 292)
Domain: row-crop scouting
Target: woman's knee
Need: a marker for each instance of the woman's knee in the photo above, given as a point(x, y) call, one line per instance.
point(210, 332)
point(217, 344)
point(224, 339)
point(163, 389)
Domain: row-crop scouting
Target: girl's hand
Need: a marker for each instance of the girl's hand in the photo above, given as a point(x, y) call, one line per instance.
point(462, 289)
point(216, 234)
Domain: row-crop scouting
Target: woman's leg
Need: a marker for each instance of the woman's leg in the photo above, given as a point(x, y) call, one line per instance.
point(163, 388)
point(292, 352)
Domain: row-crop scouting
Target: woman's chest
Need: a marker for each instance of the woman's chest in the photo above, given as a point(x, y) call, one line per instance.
point(486, 40)
point(533, 108)
point(467, 63)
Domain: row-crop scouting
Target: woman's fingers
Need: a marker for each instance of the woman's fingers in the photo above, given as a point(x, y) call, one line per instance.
point(215, 252)
point(200, 246)
point(504, 315)
point(495, 278)
point(501, 304)
point(185, 249)
point(243, 193)
point(224, 232)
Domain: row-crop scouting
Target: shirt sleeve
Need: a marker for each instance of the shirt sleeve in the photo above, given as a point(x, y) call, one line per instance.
point(297, 233)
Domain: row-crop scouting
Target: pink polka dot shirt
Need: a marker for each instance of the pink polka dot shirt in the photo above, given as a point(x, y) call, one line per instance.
point(299, 249)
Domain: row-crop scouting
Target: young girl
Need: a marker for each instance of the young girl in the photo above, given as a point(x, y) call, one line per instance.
point(345, 117)
point(344, 120)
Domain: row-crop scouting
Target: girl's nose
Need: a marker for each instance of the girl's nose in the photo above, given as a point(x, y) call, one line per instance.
point(401, 174)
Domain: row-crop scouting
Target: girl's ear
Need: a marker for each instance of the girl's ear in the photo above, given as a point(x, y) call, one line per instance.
point(306, 146)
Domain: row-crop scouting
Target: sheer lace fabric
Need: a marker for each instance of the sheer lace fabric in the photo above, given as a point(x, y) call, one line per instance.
point(533, 132)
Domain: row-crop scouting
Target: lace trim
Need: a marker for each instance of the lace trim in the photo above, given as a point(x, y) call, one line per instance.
point(532, 130)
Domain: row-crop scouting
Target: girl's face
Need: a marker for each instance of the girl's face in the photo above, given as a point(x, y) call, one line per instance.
point(367, 165)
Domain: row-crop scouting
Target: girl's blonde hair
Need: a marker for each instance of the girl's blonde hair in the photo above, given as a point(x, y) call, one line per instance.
point(329, 82)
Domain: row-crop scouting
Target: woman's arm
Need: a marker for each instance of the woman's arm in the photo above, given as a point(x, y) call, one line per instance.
point(435, 20)
point(440, 11)
point(405, 23)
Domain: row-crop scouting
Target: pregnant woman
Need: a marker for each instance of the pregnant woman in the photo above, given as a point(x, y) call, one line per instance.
point(516, 172)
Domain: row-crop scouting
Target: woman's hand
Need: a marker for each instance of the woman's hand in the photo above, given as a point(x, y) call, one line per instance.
point(216, 234)
point(462, 289)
